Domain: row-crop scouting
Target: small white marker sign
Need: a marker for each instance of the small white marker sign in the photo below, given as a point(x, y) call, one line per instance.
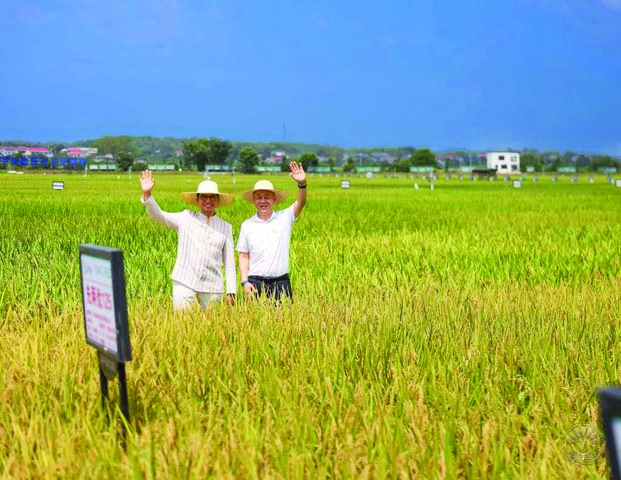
point(517, 183)
point(345, 184)
point(58, 185)
point(619, 183)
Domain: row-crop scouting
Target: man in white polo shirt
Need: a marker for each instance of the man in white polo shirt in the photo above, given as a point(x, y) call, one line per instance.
point(205, 244)
point(263, 243)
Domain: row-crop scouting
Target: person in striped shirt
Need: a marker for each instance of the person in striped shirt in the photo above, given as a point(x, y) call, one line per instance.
point(264, 239)
point(205, 244)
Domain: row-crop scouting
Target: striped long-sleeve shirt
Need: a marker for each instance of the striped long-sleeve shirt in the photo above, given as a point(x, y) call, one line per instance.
point(203, 249)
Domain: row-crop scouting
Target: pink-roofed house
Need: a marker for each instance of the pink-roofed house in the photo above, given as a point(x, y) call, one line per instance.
point(75, 152)
point(178, 153)
point(30, 150)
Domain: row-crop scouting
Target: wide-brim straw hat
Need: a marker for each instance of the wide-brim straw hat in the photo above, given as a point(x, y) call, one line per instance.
point(209, 187)
point(248, 195)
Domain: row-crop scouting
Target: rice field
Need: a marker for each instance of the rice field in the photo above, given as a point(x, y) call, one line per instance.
point(453, 333)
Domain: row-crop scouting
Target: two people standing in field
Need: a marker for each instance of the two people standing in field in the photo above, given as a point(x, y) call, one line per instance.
point(205, 242)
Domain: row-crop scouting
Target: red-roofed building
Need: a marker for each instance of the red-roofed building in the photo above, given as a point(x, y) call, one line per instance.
point(79, 151)
point(30, 150)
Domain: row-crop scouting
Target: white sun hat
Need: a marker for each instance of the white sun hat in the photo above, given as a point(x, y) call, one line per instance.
point(266, 185)
point(208, 187)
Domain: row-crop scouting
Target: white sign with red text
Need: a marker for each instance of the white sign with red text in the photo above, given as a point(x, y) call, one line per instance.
point(99, 303)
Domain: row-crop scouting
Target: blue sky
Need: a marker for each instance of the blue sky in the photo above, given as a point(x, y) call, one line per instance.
point(524, 73)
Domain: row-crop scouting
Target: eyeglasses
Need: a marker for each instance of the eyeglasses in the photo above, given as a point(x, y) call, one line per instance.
point(205, 196)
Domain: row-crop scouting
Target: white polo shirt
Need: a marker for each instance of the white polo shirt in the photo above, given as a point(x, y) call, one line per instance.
point(267, 242)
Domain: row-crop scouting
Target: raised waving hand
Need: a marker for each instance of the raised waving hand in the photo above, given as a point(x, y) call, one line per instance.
point(146, 183)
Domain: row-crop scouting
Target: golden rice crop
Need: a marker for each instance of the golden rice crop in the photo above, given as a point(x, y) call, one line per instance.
point(454, 333)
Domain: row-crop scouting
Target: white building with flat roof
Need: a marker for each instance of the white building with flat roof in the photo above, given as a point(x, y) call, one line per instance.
point(504, 162)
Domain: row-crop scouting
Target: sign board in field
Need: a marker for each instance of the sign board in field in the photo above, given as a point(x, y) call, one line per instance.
point(345, 184)
point(619, 183)
point(610, 406)
point(58, 185)
point(517, 183)
point(422, 169)
point(104, 302)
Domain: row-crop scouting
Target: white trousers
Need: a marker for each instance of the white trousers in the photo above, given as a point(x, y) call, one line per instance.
point(185, 298)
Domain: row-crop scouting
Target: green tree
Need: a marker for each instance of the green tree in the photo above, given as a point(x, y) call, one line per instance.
point(308, 159)
point(423, 157)
point(530, 160)
point(284, 164)
point(603, 161)
point(124, 160)
point(202, 152)
point(195, 154)
point(218, 151)
point(350, 166)
point(331, 164)
point(55, 148)
point(555, 164)
point(404, 165)
point(249, 159)
point(115, 145)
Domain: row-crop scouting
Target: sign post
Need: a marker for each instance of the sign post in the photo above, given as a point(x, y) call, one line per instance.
point(105, 315)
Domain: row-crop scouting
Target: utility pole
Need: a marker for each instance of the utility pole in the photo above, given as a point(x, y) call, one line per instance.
point(284, 132)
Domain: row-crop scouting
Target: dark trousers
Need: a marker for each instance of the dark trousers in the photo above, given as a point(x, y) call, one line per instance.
point(272, 287)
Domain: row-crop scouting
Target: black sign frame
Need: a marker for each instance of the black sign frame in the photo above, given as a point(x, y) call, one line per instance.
point(115, 258)
point(610, 404)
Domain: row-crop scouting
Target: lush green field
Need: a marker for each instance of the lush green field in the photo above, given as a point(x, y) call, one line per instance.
point(459, 332)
